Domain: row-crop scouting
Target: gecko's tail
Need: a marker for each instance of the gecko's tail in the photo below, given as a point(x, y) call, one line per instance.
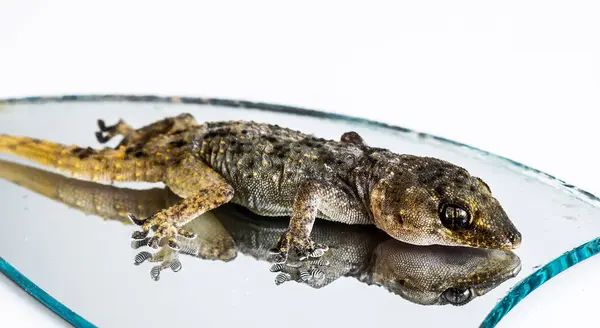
point(85, 163)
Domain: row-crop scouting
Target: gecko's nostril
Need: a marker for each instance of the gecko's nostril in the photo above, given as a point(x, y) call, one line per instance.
point(515, 239)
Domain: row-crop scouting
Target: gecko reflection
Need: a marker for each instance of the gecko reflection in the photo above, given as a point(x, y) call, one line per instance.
point(421, 274)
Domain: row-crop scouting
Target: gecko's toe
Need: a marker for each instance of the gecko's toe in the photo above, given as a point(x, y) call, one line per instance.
point(155, 272)
point(277, 267)
point(303, 247)
point(135, 243)
point(280, 258)
point(282, 277)
point(135, 220)
point(102, 126)
point(154, 242)
point(310, 272)
point(105, 133)
point(311, 251)
point(141, 257)
point(319, 250)
point(102, 138)
point(173, 244)
point(315, 273)
point(186, 234)
point(176, 265)
point(139, 235)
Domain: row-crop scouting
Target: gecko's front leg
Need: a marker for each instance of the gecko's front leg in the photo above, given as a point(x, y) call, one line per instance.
point(202, 190)
point(312, 197)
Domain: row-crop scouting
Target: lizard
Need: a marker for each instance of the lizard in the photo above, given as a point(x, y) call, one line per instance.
point(425, 275)
point(277, 171)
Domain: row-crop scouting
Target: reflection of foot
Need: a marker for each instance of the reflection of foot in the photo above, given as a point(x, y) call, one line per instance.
point(165, 237)
point(304, 248)
point(310, 272)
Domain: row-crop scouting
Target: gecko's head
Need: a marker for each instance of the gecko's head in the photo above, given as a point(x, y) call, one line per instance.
point(429, 201)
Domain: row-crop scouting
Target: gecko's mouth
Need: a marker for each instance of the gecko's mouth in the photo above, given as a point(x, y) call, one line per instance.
point(479, 239)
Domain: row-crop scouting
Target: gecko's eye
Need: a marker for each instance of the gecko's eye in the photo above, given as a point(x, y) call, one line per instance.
point(455, 217)
point(457, 295)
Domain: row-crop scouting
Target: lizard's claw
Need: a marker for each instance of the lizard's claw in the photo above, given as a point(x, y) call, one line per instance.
point(311, 272)
point(165, 237)
point(304, 248)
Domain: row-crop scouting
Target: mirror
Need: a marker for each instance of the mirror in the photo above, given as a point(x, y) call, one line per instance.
point(72, 238)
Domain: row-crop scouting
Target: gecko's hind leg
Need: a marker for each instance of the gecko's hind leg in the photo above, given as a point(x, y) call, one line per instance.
point(202, 189)
point(133, 136)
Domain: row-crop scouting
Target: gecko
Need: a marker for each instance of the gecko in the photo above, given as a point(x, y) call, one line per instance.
point(425, 275)
point(277, 171)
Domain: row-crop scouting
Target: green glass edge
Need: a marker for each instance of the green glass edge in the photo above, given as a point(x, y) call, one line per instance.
point(538, 278)
point(517, 293)
point(49, 301)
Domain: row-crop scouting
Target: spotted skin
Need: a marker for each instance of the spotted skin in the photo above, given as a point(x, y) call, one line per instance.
point(276, 171)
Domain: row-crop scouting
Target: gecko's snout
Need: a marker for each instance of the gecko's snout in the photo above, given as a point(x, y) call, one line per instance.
point(513, 240)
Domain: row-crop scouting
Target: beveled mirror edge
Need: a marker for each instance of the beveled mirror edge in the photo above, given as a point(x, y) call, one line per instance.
point(50, 302)
point(538, 278)
point(515, 295)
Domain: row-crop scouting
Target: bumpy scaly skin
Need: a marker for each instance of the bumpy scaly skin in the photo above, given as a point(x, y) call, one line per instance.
point(275, 171)
point(423, 275)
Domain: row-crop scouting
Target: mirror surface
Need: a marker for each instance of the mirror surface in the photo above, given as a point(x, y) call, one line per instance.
point(72, 238)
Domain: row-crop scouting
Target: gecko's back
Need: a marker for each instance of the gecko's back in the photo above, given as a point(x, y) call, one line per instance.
point(266, 163)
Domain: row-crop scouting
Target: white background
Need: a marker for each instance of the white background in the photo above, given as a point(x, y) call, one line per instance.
point(518, 78)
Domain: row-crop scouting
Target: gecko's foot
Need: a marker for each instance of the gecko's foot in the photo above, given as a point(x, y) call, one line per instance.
point(311, 272)
point(303, 247)
point(167, 257)
point(165, 237)
point(108, 132)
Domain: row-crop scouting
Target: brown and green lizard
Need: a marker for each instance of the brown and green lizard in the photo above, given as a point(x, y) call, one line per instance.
point(424, 275)
point(275, 171)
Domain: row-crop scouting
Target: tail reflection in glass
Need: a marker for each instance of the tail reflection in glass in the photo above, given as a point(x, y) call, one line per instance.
point(421, 274)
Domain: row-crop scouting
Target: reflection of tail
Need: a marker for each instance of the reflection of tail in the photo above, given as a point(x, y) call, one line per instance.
point(213, 242)
point(98, 165)
point(105, 201)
